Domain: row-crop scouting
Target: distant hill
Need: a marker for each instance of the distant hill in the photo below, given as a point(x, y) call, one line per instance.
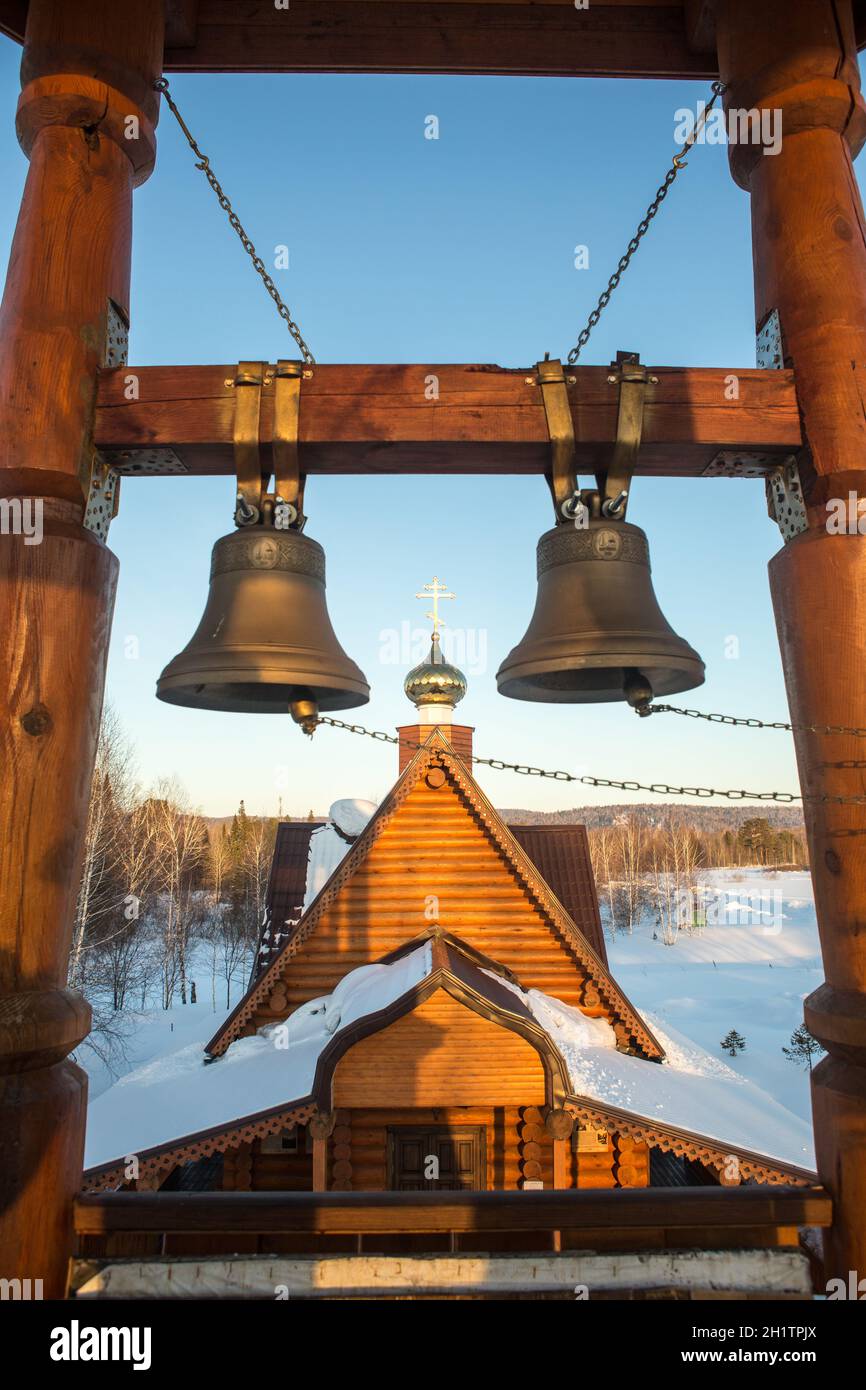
point(656, 814)
point(651, 814)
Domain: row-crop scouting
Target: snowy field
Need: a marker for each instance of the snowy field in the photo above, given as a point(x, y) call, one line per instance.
point(750, 973)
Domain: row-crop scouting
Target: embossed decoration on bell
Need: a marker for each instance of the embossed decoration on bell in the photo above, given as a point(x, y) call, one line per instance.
point(594, 542)
point(258, 547)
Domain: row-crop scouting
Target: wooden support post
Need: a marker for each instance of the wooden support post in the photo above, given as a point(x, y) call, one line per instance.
point(798, 58)
point(85, 118)
point(320, 1163)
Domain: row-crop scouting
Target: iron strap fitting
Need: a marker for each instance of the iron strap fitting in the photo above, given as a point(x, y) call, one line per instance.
point(614, 485)
point(562, 474)
point(248, 382)
point(283, 507)
point(288, 480)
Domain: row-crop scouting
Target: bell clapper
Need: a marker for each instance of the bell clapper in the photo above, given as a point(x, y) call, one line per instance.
point(638, 691)
point(305, 711)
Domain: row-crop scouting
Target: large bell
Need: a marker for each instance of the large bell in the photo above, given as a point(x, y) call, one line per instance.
point(265, 644)
point(597, 632)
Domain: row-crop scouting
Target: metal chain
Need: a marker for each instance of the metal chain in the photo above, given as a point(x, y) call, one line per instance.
point(678, 163)
point(204, 164)
point(644, 710)
point(659, 788)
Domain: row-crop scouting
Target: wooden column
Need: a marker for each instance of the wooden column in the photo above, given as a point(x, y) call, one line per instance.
point(85, 118)
point(799, 57)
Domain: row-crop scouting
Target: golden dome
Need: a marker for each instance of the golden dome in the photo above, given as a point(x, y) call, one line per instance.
point(435, 681)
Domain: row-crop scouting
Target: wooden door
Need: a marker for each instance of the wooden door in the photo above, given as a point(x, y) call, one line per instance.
point(429, 1158)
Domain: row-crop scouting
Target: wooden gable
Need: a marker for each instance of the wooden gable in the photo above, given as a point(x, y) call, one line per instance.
point(440, 1054)
point(437, 852)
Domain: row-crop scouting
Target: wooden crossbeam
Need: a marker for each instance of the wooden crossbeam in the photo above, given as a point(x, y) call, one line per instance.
point(609, 38)
point(451, 419)
point(638, 39)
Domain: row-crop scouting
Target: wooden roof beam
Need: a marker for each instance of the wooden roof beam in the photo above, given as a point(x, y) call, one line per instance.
point(450, 419)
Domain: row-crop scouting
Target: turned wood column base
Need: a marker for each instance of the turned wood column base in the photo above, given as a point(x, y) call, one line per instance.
point(41, 1153)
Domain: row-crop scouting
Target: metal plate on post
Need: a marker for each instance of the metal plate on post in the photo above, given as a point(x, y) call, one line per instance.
point(785, 500)
point(102, 499)
point(116, 353)
point(768, 348)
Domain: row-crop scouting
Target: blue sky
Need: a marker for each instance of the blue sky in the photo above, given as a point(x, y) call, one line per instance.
point(454, 250)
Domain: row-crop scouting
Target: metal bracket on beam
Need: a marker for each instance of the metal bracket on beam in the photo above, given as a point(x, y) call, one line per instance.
point(131, 463)
point(249, 380)
point(632, 377)
point(562, 477)
point(785, 500)
point(288, 481)
point(103, 492)
point(740, 463)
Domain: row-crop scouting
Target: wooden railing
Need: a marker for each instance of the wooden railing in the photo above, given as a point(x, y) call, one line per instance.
point(688, 1216)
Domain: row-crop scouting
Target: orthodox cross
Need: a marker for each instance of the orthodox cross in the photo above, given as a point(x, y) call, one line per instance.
point(438, 591)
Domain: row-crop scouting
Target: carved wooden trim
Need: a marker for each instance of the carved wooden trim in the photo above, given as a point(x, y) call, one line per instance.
point(202, 1145)
point(682, 1142)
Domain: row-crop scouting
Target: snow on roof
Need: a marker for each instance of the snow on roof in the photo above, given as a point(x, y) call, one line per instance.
point(329, 843)
point(690, 1090)
point(179, 1094)
point(351, 814)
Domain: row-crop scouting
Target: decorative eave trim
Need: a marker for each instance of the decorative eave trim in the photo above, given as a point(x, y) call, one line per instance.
point(437, 747)
point(668, 1138)
point(672, 1139)
point(201, 1144)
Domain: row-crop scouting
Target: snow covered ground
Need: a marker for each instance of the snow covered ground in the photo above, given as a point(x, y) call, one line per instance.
point(750, 974)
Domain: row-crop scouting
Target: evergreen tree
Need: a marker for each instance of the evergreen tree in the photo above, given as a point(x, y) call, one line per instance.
point(804, 1046)
point(733, 1043)
point(758, 837)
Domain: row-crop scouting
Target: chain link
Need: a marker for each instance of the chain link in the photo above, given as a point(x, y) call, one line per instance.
point(258, 264)
point(643, 226)
point(838, 729)
point(658, 788)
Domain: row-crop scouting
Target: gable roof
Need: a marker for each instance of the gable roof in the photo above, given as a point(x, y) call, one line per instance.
point(437, 750)
point(560, 853)
point(586, 1075)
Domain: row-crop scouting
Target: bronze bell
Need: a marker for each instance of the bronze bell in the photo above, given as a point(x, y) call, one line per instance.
point(597, 632)
point(265, 644)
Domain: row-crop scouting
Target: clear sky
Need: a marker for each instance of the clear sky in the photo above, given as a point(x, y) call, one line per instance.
point(459, 249)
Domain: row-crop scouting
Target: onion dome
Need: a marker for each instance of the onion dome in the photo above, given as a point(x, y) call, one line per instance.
point(435, 681)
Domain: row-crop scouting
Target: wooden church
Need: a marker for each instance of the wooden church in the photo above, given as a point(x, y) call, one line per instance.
point(431, 1008)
